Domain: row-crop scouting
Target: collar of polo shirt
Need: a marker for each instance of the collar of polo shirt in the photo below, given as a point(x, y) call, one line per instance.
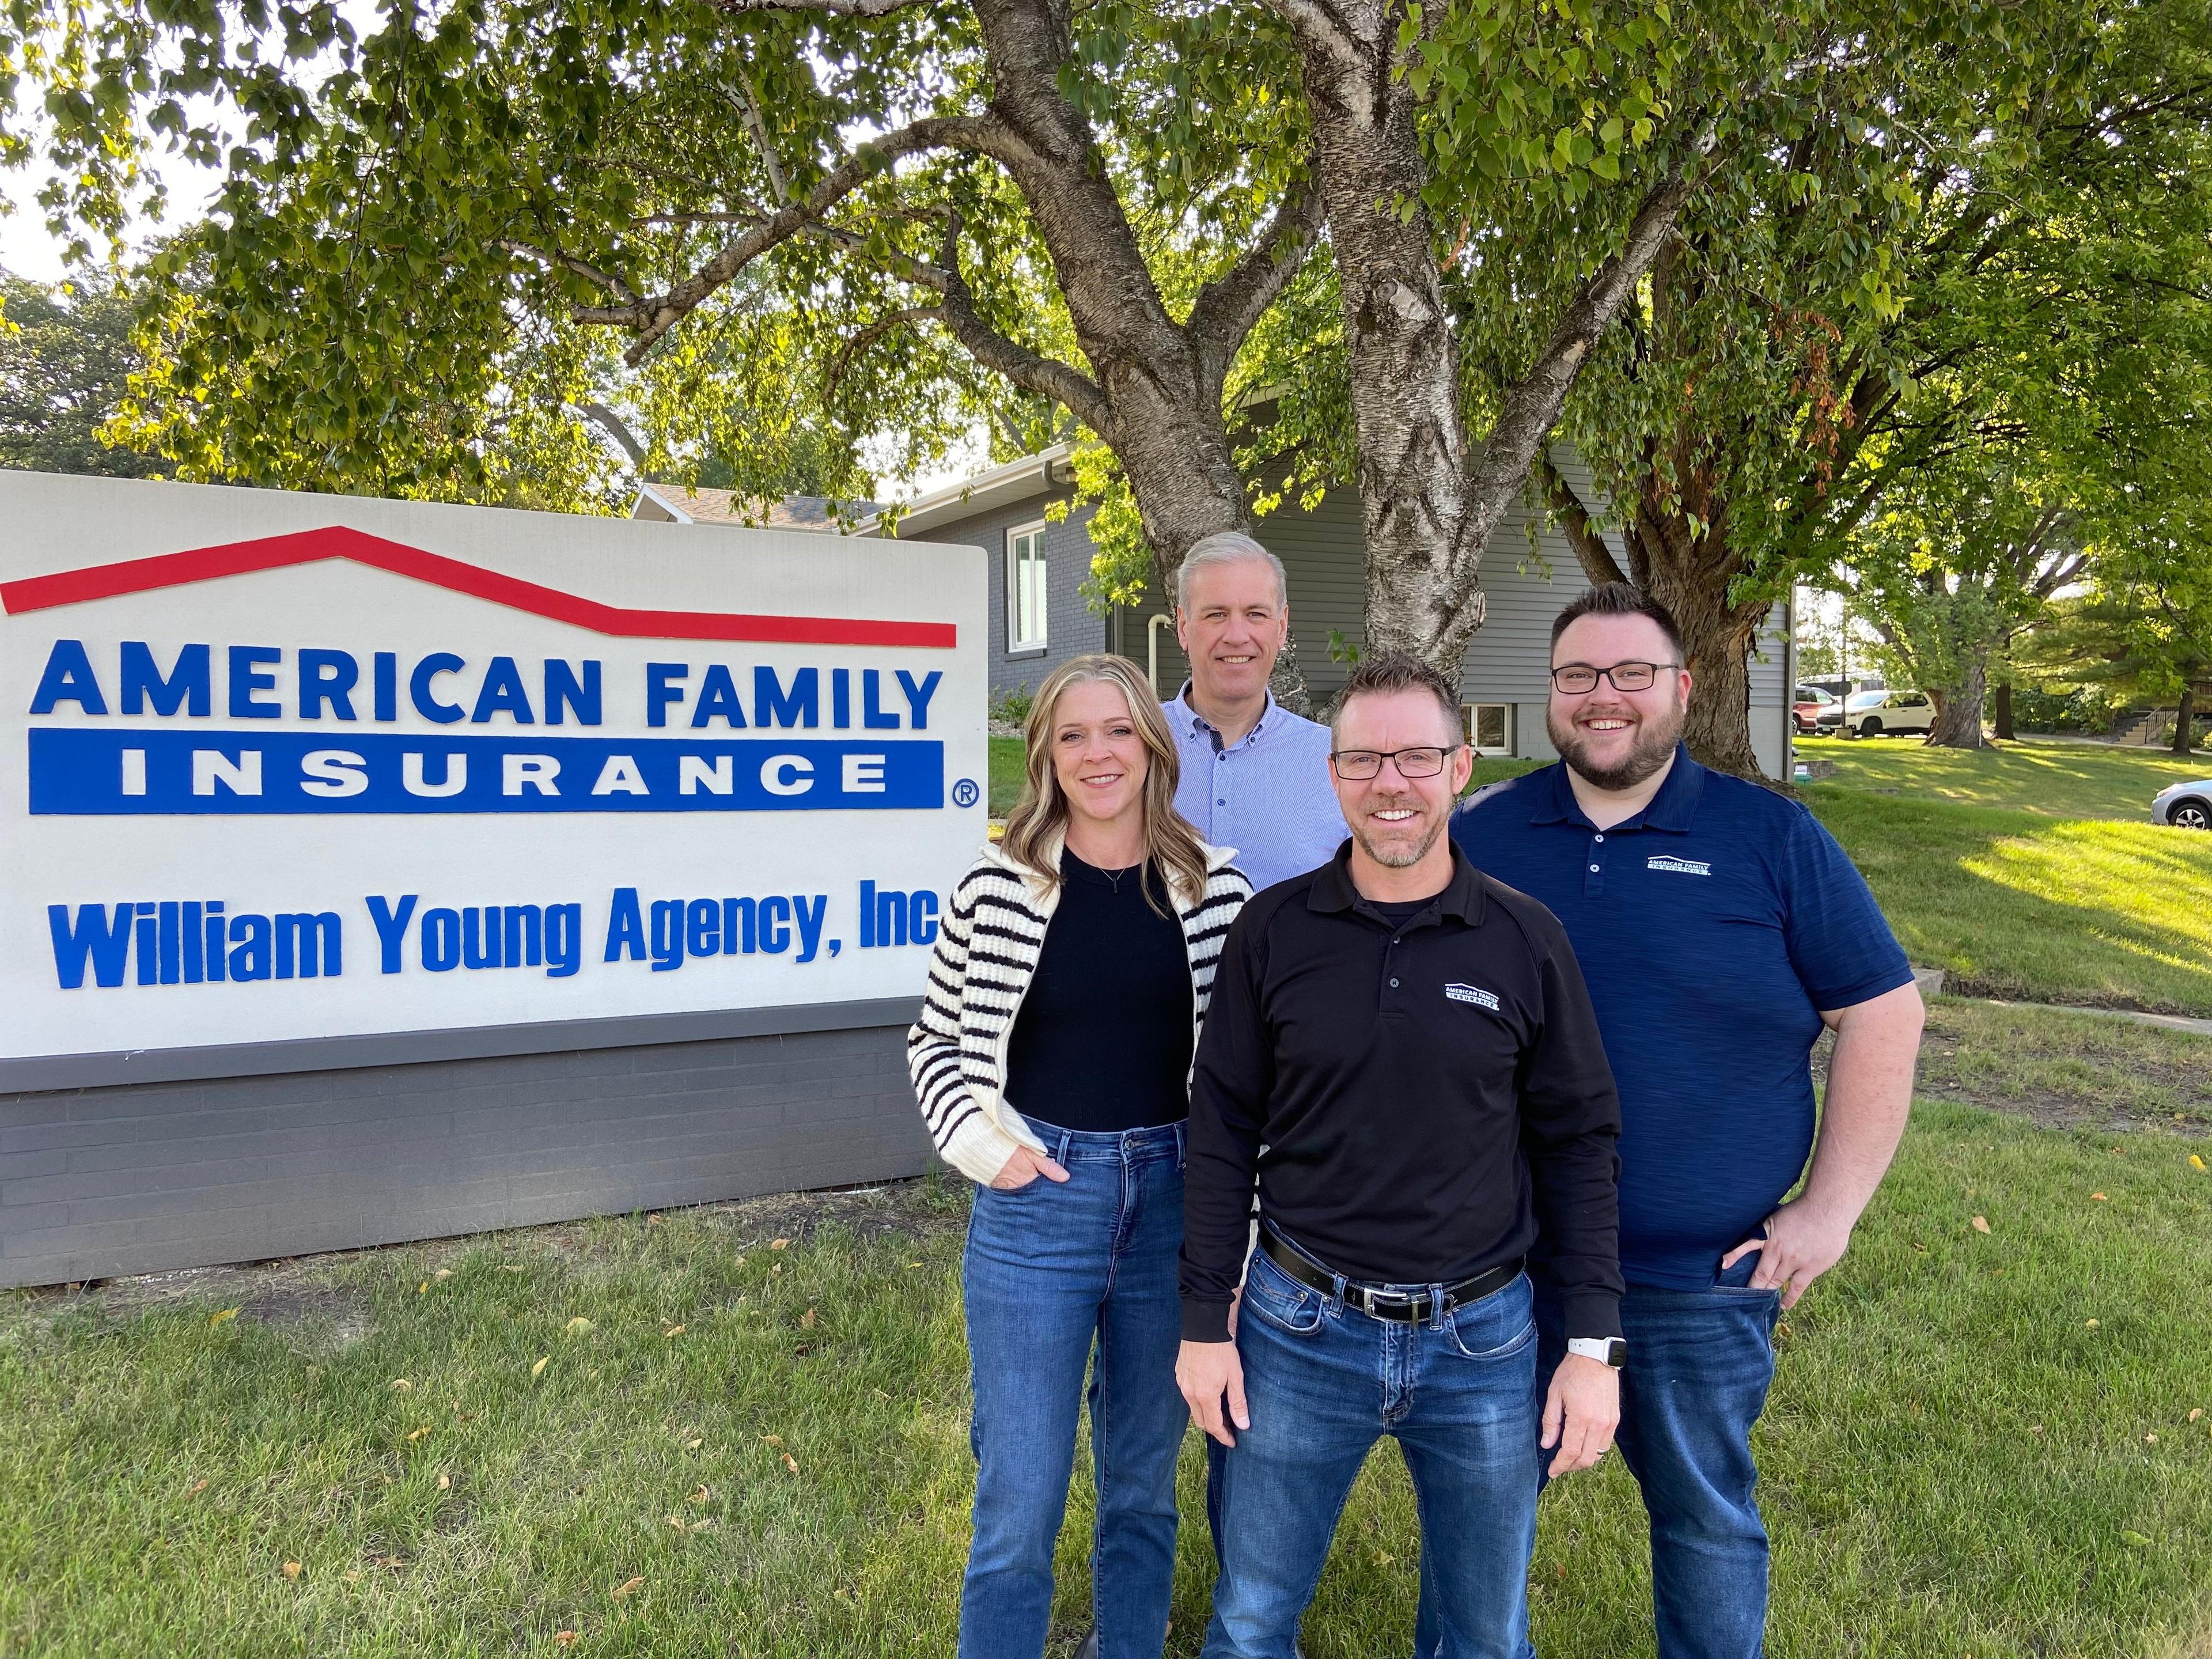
point(1672, 809)
point(1332, 890)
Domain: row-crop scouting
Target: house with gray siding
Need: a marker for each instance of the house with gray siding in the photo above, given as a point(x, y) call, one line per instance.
point(1037, 568)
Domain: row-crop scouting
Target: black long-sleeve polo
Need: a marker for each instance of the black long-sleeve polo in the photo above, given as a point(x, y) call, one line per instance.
point(1431, 1093)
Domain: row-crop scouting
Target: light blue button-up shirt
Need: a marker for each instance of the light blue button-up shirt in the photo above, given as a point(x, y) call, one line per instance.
point(1268, 796)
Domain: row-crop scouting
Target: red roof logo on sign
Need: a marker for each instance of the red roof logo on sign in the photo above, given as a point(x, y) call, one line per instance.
point(202, 564)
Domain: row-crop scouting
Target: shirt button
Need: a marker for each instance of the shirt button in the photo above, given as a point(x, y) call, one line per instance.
point(1593, 869)
point(1394, 984)
point(1600, 840)
point(1221, 803)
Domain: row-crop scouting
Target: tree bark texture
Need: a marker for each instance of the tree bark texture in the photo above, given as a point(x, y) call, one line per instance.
point(1958, 722)
point(1691, 574)
point(2001, 714)
point(2185, 719)
point(1430, 501)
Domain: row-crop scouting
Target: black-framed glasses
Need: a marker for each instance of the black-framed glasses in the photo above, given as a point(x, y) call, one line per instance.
point(1575, 678)
point(1357, 765)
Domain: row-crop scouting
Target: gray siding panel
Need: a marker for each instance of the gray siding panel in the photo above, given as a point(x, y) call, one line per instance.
point(145, 1177)
point(1071, 629)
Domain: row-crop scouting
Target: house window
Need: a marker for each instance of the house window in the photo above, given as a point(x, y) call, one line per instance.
point(1025, 588)
point(1489, 727)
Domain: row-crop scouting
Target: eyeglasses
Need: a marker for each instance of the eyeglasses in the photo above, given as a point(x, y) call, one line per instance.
point(1575, 678)
point(1356, 765)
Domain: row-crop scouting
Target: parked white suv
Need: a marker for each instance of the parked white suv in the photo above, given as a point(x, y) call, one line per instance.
point(1870, 714)
point(2187, 806)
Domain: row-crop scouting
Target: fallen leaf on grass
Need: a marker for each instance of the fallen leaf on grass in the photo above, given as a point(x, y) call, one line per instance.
point(699, 1495)
point(806, 1320)
point(539, 1367)
point(773, 1439)
point(292, 1570)
point(2098, 1197)
point(564, 1638)
point(673, 1330)
point(418, 1433)
point(2194, 1162)
point(653, 1221)
point(779, 1244)
point(2195, 1412)
point(701, 1526)
point(198, 1487)
point(351, 1575)
point(2150, 1439)
point(790, 1463)
point(579, 1326)
point(675, 1521)
point(423, 1287)
point(442, 1275)
point(2091, 1326)
point(403, 1385)
point(2035, 1428)
point(445, 1483)
point(1981, 1223)
point(624, 1588)
point(224, 1317)
point(693, 1445)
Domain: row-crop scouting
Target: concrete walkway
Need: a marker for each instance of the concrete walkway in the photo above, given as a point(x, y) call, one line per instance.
point(1931, 981)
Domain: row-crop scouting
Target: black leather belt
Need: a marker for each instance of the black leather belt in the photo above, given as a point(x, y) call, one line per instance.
point(1407, 1307)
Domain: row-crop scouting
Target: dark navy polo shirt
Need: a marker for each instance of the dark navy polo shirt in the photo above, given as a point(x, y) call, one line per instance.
point(1712, 928)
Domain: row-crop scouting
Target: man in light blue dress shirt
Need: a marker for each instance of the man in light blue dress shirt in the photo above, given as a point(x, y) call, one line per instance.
point(1255, 775)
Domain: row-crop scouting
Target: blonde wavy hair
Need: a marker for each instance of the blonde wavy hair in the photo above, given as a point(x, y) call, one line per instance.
point(1172, 847)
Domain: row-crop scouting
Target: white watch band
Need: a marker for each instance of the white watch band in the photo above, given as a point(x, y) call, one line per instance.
point(1599, 1348)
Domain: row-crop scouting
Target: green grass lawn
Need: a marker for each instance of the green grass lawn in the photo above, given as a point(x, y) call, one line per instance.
point(2013, 904)
point(1978, 1444)
point(2048, 778)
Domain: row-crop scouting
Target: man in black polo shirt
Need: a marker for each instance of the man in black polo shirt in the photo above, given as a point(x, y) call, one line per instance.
point(1411, 1045)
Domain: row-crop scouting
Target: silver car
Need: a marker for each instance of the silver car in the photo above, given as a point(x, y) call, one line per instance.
point(2186, 804)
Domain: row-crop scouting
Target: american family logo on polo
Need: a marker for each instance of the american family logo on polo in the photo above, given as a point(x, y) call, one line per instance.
point(1473, 994)
point(1680, 866)
point(226, 764)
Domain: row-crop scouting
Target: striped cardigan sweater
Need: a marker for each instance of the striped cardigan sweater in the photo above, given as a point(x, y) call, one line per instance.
point(987, 946)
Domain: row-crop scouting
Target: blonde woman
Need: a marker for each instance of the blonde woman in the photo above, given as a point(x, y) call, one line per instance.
point(1053, 1064)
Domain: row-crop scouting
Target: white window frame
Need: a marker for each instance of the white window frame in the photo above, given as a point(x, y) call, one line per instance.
point(1015, 620)
point(1470, 714)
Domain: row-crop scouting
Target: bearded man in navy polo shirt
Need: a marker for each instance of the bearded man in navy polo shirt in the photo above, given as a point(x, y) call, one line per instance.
point(1720, 930)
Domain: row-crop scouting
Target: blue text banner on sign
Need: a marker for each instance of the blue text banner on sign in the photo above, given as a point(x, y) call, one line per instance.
point(110, 771)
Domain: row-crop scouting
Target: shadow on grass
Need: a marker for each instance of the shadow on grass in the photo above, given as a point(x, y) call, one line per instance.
point(2075, 910)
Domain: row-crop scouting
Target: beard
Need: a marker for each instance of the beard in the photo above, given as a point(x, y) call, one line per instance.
point(1400, 854)
point(1654, 743)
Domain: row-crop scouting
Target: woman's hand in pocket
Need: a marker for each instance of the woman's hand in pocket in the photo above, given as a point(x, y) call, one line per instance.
point(1024, 1167)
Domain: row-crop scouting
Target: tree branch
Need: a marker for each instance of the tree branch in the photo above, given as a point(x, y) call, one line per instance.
point(590, 273)
point(649, 317)
point(1025, 368)
point(1535, 402)
point(1590, 551)
point(748, 107)
point(867, 338)
point(818, 8)
point(1229, 307)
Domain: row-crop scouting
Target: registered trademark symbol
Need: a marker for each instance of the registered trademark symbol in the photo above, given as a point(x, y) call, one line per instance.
point(965, 793)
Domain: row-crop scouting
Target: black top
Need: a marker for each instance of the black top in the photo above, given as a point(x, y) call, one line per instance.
point(1102, 1041)
point(1430, 1093)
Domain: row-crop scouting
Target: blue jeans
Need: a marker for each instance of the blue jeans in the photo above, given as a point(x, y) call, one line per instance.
point(1698, 1365)
point(1323, 1384)
point(1052, 1271)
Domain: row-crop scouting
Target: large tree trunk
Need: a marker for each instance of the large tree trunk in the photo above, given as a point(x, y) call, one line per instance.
point(2003, 713)
point(1430, 503)
point(1717, 641)
point(1690, 573)
point(1958, 723)
point(2184, 738)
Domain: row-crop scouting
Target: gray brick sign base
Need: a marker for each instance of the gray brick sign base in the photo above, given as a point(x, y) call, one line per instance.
point(137, 1162)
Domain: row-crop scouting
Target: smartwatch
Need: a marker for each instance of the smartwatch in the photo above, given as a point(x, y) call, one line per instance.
point(1605, 1350)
